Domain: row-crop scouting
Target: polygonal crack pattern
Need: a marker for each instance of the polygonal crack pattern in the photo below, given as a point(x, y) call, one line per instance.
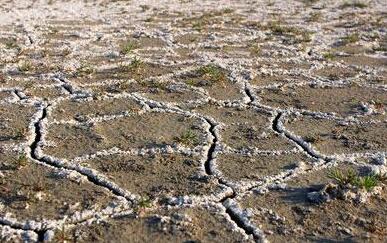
point(192, 121)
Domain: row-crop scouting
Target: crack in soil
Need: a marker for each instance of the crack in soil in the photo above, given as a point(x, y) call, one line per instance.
point(20, 96)
point(241, 224)
point(233, 216)
point(94, 180)
point(39, 232)
point(211, 150)
point(30, 40)
point(248, 93)
point(66, 86)
point(276, 127)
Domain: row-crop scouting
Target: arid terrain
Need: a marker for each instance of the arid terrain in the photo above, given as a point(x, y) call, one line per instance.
point(193, 121)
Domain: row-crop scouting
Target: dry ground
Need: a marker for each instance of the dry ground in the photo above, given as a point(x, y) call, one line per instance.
point(193, 121)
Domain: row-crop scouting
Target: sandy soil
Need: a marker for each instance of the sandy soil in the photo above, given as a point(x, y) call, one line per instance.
point(193, 121)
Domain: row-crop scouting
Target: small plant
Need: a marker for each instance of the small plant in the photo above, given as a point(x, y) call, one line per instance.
point(66, 52)
point(306, 37)
point(309, 2)
point(144, 202)
point(187, 138)
point(191, 82)
point(378, 105)
point(311, 139)
point(150, 19)
point(11, 44)
point(368, 182)
point(128, 47)
point(85, 69)
point(135, 65)
point(228, 10)
point(63, 236)
point(352, 38)
point(270, 3)
point(354, 4)
point(144, 8)
point(351, 178)
point(212, 73)
point(25, 66)
point(255, 50)
point(142, 205)
point(277, 28)
point(21, 161)
point(343, 178)
point(39, 186)
point(329, 55)
point(198, 26)
point(314, 17)
point(20, 133)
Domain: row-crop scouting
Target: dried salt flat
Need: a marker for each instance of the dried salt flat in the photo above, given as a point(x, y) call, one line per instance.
point(211, 121)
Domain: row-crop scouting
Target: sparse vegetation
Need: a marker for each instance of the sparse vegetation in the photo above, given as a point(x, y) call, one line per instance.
point(343, 178)
point(144, 8)
point(20, 133)
point(368, 182)
point(21, 161)
point(270, 3)
point(353, 4)
point(277, 28)
point(39, 186)
point(11, 44)
point(255, 50)
point(212, 73)
point(85, 69)
point(329, 55)
point(314, 17)
point(25, 66)
point(63, 236)
point(142, 205)
point(128, 47)
point(352, 38)
point(135, 66)
point(309, 2)
point(228, 10)
point(280, 29)
point(351, 178)
point(150, 19)
point(311, 139)
point(188, 138)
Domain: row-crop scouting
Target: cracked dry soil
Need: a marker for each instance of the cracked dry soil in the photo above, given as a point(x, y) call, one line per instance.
point(193, 121)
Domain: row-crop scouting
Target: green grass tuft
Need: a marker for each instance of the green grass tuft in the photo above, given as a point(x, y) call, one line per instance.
point(128, 47)
point(212, 73)
point(352, 38)
point(329, 55)
point(21, 161)
point(351, 178)
point(187, 138)
point(353, 4)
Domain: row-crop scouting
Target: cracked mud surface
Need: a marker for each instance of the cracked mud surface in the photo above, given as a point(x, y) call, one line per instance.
point(190, 121)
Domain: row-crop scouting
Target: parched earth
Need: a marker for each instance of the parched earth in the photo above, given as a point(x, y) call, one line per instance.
point(192, 120)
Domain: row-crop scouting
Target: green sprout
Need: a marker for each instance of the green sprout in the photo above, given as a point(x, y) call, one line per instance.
point(187, 138)
point(85, 69)
point(351, 178)
point(212, 73)
point(128, 47)
point(22, 161)
point(352, 38)
point(354, 4)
